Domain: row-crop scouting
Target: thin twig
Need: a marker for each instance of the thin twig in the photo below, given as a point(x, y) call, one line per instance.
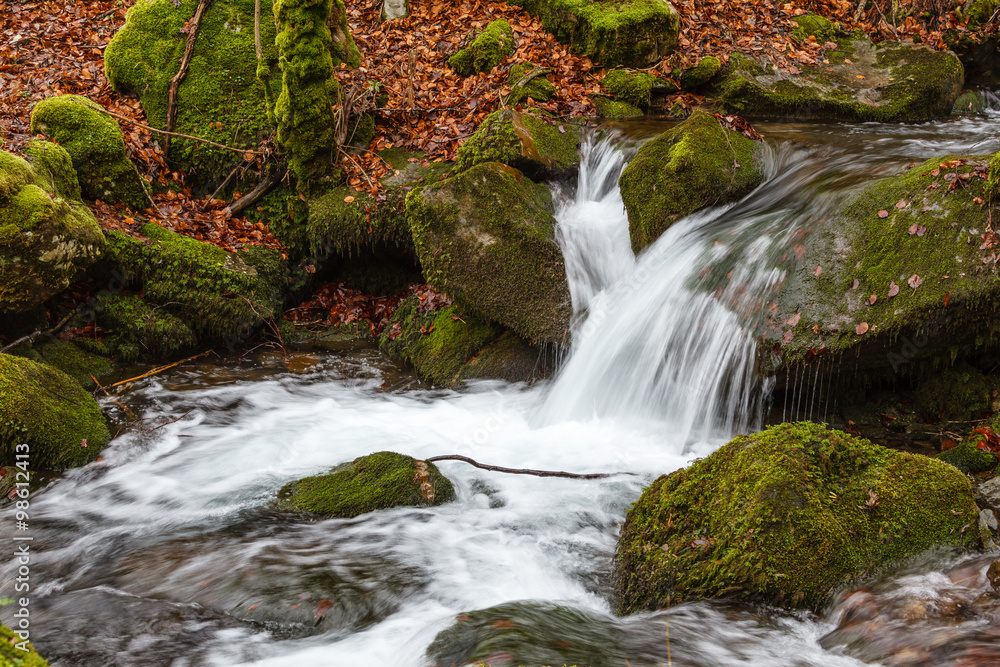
point(150, 430)
point(38, 332)
point(157, 370)
point(175, 82)
point(526, 471)
point(113, 399)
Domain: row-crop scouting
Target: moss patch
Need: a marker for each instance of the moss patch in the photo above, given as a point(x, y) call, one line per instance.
point(684, 169)
point(486, 50)
point(701, 74)
point(607, 108)
point(811, 25)
point(138, 330)
point(49, 411)
point(785, 517)
point(54, 165)
point(510, 358)
point(374, 482)
point(487, 238)
point(534, 144)
point(68, 358)
point(633, 88)
point(525, 84)
point(12, 656)
point(968, 458)
point(95, 143)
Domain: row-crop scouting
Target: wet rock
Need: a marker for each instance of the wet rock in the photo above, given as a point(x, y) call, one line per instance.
point(696, 164)
point(78, 363)
point(486, 237)
point(701, 74)
point(968, 458)
point(47, 410)
point(785, 517)
point(888, 82)
point(608, 108)
point(138, 330)
point(987, 523)
point(46, 236)
point(534, 144)
point(96, 146)
point(486, 50)
point(968, 103)
point(993, 574)
point(374, 482)
point(988, 494)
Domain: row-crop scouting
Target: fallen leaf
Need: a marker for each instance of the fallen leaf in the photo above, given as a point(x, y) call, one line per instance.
point(883, 213)
point(901, 204)
point(818, 270)
point(794, 319)
point(815, 328)
point(861, 328)
point(947, 298)
point(915, 281)
point(348, 199)
point(855, 284)
point(786, 338)
point(893, 289)
point(871, 300)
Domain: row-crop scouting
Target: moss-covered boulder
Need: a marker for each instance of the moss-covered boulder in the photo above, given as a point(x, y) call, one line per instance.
point(970, 102)
point(696, 164)
point(632, 33)
point(529, 82)
point(968, 458)
point(96, 145)
point(215, 293)
point(137, 330)
point(535, 144)
point(699, 75)
point(45, 239)
point(486, 237)
point(634, 88)
point(49, 411)
point(485, 51)
point(903, 275)
point(66, 356)
point(813, 25)
point(608, 108)
point(14, 653)
point(375, 482)
point(786, 517)
point(888, 82)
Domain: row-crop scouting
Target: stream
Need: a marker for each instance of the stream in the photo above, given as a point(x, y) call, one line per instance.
point(165, 552)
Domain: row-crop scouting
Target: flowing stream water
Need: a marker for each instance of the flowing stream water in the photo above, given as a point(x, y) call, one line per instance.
point(166, 553)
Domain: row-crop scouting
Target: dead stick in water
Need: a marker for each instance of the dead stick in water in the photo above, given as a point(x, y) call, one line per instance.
point(157, 370)
point(525, 471)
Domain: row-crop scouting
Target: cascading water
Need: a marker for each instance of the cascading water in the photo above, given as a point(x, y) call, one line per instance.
point(166, 553)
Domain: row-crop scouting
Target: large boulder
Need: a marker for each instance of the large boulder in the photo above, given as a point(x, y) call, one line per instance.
point(96, 145)
point(888, 82)
point(902, 273)
point(786, 517)
point(368, 483)
point(48, 411)
point(696, 164)
point(46, 237)
point(534, 144)
point(486, 237)
point(634, 33)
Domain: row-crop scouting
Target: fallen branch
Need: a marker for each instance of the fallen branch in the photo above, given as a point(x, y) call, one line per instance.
point(262, 189)
point(525, 471)
point(38, 332)
point(150, 430)
point(155, 371)
point(175, 82)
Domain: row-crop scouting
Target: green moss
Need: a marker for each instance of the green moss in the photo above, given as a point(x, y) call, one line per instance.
point(487, 238)
point(812, 25)
point(438, 343)
point(510, 358)
point(12, 656)
point(489, 48)
point(530, 143)
point(68, 358)
point(979, 12)
point(959, 393)
point(696, 164)
point(992, 186)
point(786, 517)
point(524, 86)
point(369, 483)
point(95, 143)
point(49, 411)
point(968, 458)
point(215, 293)
point(52, 163)
point(139, 330)
point(607, 108)
point(632, 88)
point(701, 74)
point(631, 33)
point(968, 103)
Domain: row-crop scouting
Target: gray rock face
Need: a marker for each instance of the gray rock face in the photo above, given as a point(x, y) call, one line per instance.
point(395, 9)
point(988, 494)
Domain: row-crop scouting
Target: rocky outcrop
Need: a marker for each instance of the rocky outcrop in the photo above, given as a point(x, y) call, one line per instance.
point(696, 164)
point(786, 517)
point(486, 237)
point(369, 483)
point(46, 237)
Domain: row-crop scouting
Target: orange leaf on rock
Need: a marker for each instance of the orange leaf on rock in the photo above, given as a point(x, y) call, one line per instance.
point(861, 328)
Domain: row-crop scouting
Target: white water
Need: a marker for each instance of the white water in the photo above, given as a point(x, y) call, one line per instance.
point(158, 554)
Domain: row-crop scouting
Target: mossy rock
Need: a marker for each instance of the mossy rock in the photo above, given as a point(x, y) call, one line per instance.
point(217, 294)
point(608, 108)
point(633, 88)
point(968, 458)
point(888, 82)
point(979, 12)
point(696, 164)
point(970, 102)
point(534, 144)
point(929, 235)
point(486, 237)
point(13, 656)
point(67, 357)
point(375, 482)
point(510, 358)
point(45, 240)
point(48, 410)
point(487, 50)
point(529, 82)
point(701, 74)
point(786, 517)
point(54, 165)
point(959, 393)
point(632, 33)
point(813, 25)
point(96, 145)
point(138, 330)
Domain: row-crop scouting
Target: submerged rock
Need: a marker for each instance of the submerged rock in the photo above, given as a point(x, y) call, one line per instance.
point(634, 33)
point(96, 145)
point(374, 482)
point(49, 411)
point(486, 237)
point(696, 164)
point(46, 239)
point(487, 50)
point(785, 517)
point(533, 144)
point(888, 82)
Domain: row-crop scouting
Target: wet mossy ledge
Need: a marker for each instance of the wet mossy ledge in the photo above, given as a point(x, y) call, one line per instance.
point(696, 164)
point(786, 517)
point(51, 413)
point(374, 482)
